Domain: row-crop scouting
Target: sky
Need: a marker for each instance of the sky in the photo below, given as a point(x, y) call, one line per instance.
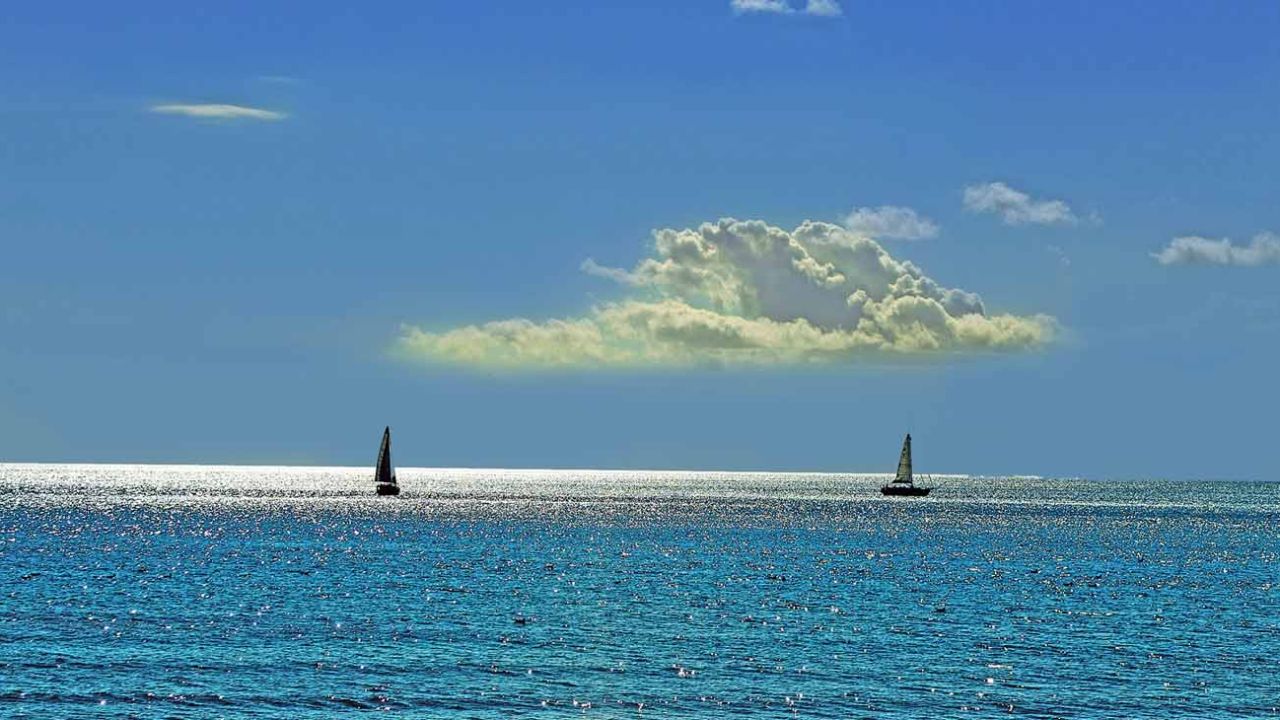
point(705, 234)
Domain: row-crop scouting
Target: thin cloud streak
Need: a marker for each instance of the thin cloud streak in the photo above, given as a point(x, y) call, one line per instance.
point(761, 6)
point(817, 8)
point(219, 111)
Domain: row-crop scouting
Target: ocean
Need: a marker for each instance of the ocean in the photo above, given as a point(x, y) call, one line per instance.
point(276, 592)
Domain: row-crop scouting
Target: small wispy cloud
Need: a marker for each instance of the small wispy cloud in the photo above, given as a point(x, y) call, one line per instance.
point(1264, 249)
point(824, 8)
point(1016, 207)
point(761, 6)
point(890, 222)
point(1061, 254)
point(219, 111)
point(618, 275)
point(278, 79)
point(819, 8)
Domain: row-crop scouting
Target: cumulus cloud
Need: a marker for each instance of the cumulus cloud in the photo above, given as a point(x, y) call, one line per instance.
point(746, 292)
point(219, 112)
point(1014, 206)
point(1264, 249)
point(820, 8)
point(889, 221)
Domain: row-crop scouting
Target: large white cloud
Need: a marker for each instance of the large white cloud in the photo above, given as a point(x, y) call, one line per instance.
point(1014, 206)
point(219, 111)
point(747, 292)
point(1264, 249)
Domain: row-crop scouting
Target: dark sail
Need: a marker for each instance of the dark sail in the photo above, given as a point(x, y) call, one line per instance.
point(903, 481)
point(384, 472)
point(904, 463)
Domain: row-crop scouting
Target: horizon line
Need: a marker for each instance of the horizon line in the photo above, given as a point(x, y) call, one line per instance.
point(478, 469)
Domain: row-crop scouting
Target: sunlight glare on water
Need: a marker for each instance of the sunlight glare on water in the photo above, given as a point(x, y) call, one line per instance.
point(206, 591)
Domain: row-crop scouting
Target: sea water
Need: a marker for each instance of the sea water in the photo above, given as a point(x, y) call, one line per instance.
point(207, 592)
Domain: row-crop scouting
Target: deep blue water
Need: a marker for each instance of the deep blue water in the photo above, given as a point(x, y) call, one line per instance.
point(195, 592)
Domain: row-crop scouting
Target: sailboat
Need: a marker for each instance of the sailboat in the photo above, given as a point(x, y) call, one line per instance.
point(904, 483)
point(384, 476)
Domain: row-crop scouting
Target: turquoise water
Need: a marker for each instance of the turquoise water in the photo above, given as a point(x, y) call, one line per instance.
point(193, 592)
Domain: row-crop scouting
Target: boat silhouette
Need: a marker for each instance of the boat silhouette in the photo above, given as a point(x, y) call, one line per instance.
point(384, 476)
point(904, 482)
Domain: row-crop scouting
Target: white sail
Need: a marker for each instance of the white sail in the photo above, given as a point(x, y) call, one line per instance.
point(904, 463)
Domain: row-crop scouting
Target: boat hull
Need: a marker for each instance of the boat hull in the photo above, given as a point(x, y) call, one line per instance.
point(388, 489)
point(908, 490)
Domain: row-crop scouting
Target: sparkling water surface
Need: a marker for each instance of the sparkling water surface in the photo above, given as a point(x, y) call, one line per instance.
point(270, 592)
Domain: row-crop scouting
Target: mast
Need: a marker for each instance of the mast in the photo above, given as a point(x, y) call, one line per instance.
point(904, 463)
point(384, 473)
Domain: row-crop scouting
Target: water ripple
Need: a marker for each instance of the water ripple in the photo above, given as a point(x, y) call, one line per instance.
point(141, 591)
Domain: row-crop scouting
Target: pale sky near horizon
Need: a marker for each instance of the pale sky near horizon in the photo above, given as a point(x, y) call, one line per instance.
point(729, 234)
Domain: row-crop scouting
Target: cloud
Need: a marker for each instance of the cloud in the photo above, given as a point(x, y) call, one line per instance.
point(820, 8)
point(1015, 206)
point(823, 8)
point(761, 6)
point(1061, 254)
point(1264, 249)
point(745, 292)
point(219, 112)
point(889, 221)
point(591, 267)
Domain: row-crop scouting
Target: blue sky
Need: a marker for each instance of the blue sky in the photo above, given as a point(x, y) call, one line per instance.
point(179, 287)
